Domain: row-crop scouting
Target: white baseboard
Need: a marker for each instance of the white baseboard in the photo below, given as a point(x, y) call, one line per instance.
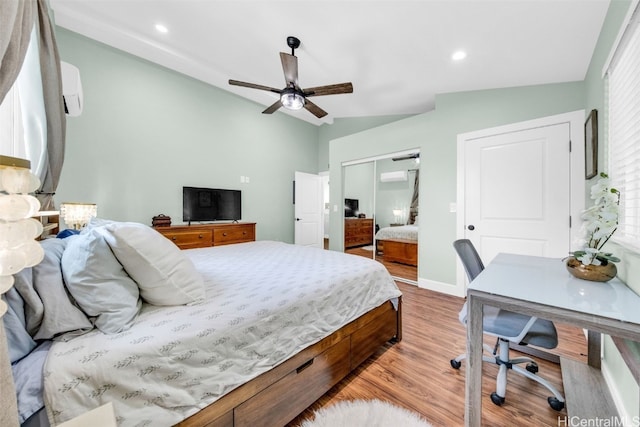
point(442, 287)
point(623, 414)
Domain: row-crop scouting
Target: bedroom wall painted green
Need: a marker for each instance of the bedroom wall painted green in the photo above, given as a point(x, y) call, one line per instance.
point(435, 134)
point(347, 126)
point(358, 184)
point(146, 131)
point(394, 195)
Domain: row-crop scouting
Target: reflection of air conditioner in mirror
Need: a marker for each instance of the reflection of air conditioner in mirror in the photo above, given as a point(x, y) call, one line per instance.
point(71, 89)
point(393, 176)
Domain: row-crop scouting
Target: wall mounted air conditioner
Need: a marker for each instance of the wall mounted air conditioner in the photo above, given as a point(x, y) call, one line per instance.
point(71, 89)
point(393, 176)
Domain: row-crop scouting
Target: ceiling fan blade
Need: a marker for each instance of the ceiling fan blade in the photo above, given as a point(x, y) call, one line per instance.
point(335, 89)
point(290, 68)
point(273, 107)
point(253, 86)
point(314, 109)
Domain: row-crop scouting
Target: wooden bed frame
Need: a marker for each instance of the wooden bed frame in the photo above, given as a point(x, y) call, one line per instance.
point(399, 250)
point(279, 395)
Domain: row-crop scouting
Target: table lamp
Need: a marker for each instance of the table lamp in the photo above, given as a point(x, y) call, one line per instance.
point(397, 213)
point(78, 215)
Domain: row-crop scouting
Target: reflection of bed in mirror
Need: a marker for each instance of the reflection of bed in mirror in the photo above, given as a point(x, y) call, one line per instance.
point(398, 244)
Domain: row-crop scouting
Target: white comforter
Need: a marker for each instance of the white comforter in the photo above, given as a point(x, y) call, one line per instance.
point(405, 232)
point(265, 302)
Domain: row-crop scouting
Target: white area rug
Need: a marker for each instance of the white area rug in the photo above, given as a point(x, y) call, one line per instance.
point(365, 413)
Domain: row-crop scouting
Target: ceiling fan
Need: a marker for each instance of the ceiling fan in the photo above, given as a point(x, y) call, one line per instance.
point(292, 96)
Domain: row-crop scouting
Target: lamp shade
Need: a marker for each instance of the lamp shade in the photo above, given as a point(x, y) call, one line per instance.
point(18, 231)
point(77, 215)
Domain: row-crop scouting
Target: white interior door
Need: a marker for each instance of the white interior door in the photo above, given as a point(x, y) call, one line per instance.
point(308, 210)
point(517, 192)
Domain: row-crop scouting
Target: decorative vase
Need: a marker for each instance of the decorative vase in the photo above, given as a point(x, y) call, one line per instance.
point(595, 273)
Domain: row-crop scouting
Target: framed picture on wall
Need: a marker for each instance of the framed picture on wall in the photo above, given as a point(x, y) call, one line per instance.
point(591, 145)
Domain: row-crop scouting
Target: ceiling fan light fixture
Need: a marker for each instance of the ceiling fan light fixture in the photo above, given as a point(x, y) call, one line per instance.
point(292, 100)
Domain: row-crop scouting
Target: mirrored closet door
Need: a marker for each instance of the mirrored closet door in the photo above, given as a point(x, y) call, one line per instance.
point(382, 212)
point(359, 209)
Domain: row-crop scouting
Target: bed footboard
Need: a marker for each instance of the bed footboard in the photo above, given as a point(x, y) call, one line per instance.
point(401, 251)
point(279, 395)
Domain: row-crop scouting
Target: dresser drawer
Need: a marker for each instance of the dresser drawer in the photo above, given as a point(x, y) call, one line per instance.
point(280, 402)
point(234, 233)
point(189, 239)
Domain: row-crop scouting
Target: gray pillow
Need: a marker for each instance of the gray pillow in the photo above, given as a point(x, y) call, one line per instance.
point(60, 314)
point(99, 284)
point(45, 306)
point(18, 339)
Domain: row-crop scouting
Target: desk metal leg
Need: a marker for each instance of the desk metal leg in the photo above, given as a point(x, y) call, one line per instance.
point(593, 349)
point(473, 369)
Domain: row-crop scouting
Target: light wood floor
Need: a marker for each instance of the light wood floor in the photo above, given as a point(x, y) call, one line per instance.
point(415, 373)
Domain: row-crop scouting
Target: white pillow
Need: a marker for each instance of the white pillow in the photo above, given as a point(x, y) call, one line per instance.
point(165, 276)
point(99, 284)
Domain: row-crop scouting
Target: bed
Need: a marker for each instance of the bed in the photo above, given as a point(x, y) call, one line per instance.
point(244, 334)
point(399, 243)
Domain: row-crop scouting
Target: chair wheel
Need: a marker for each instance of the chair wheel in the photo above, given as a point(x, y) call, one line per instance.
point(497, 400)
point(455, 364)
point(555, 403)
point(532, 367)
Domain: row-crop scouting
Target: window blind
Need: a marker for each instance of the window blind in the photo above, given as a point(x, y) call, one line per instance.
point(624, 131)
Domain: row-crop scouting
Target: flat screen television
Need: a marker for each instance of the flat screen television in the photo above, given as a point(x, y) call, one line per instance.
point(350, 208)
point(210, 204)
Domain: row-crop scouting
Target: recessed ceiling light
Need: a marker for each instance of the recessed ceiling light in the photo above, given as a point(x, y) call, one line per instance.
point(459, 55)
point(162, 29)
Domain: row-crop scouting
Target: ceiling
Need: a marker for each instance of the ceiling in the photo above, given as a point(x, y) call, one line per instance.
point(396, 53)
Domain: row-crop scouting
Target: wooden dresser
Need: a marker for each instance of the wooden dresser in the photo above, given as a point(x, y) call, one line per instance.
point(205, 235)
point(358, 232)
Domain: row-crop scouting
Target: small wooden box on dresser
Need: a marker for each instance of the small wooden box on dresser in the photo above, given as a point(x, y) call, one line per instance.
point(206, 235)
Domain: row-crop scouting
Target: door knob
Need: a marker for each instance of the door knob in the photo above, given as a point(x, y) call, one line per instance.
point(471, 227)
point(298, 219)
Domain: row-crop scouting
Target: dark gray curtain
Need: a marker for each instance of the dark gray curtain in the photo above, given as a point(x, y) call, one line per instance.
point(16, 22)
point(413, 208)
point(53, 106)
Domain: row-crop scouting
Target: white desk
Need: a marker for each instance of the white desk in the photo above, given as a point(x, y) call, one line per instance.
point(542, 287)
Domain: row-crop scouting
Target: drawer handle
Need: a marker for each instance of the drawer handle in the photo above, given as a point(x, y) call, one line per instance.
point(304, 366)
point(224, 234)
point(174, 238)
point(200, 236)
point(244, 232)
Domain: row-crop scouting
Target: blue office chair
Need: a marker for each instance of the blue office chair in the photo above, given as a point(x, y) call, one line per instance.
point(507, 327)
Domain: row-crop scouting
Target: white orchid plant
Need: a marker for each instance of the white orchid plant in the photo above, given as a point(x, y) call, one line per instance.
point(600, 222)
